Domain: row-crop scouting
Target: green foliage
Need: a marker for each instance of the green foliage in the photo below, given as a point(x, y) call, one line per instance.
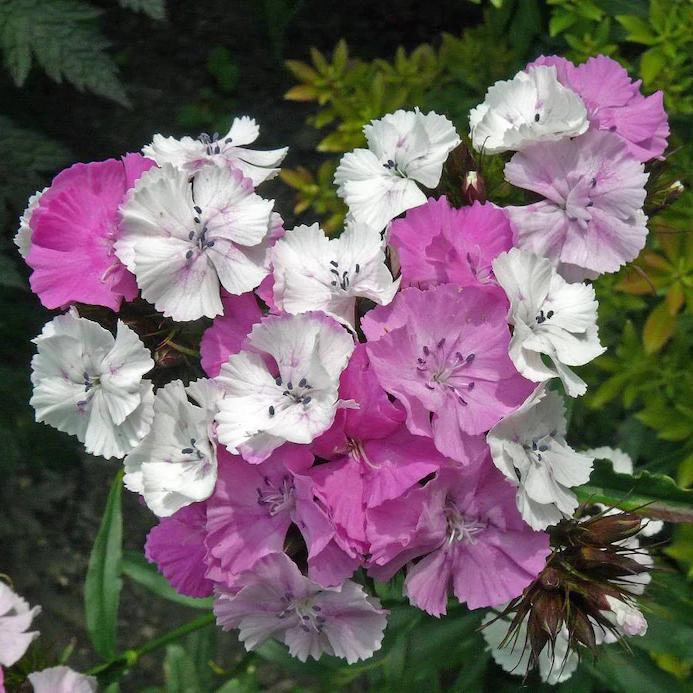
point(156, 9)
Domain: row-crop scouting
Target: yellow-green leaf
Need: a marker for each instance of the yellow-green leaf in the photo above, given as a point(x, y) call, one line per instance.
point(659, 327)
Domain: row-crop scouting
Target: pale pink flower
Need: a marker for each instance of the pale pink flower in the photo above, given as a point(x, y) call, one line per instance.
point(62, 680)
point(276, 601)
point(16, 617)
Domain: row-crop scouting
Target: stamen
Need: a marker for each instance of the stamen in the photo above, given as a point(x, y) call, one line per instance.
point(271, 410)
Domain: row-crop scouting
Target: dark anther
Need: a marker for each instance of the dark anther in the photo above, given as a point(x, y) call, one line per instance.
point(426, 350)
point(302, 382)
point(189, 254)
point(198, 209)
point(471, 357)
point(549, 315)
point(191, 235)
point(210, 244)
point(441, 343)
point(590, 204)
point(289, 386)
point(306, 400)
point(537, 117)
point(334, 263)
point(278, 380)
point(187, 451)
point(357, 269)
point(470, 386)
point(271, 410)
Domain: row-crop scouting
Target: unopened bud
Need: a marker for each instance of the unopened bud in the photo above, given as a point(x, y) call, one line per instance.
point(473, 187)
point(608, 529)
point(167, 357)
point(608, 564)
point(550, 578)
point(581, 629)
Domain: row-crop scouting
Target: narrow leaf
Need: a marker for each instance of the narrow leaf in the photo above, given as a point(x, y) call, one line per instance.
point(103, 583)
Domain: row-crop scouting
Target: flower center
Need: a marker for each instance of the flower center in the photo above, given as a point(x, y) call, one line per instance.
point(342, 276)
point(443, 369)
point(293, 394)
point(307, 612)
point(579, 200)
point(460, 527)
point(539, 445)
point(276, 499)
point(358, 452)
point(193, 450)
point(199, 239)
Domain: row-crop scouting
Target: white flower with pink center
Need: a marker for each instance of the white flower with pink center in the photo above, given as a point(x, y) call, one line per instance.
point(284, 385)
point(531, 107)
point(89, 384)
point(183, 238)
point(404, 148)
point(229, 150)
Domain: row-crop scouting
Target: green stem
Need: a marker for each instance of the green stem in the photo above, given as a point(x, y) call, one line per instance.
point(112, 669)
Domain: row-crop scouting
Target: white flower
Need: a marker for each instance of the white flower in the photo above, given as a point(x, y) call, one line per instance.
point(15, 620)
point(531, 107)
point(529, 447)
point(230, 150)
point(549, 317)
point(404, 147)
point(555, 665)
point(623, 464)
point(183, 237)
point(312, 272)
point(296, 401)
point(176, 464)
point(627, 618)
point(22, 238)
point(89, 384)
point(62, 680)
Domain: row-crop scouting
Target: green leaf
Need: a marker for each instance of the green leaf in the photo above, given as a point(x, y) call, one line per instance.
point(639, 30)
point(9, 274)
point(651, 63)
point(135, 566)
point(179, 671)
point(561, 20)
point(63, 37)
point(156, 9)
point(663, 499)
point(103, 583)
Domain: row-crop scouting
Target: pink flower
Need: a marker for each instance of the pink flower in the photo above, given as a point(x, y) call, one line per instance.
point(591, 220)
point(472, 537)
point(228, 331)
point(275, 601)
point(16, 618)
point(375, 457)
point(177, 547)
point(614, 103)
point(443, 353)
point(73, 232)
point(438, 244)
point(252, 509)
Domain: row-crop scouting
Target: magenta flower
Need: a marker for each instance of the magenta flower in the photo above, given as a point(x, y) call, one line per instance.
point(591, 220)
point(614, 102)
point(374, 456)
point(473, 541)
point(276, 601)
point(73, 230)
point(177, 547)
point(252, 509)
point(438, 244)
point(443, 353)
point(228, 331)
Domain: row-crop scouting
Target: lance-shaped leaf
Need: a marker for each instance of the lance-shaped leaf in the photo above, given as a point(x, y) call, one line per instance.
point(103, 583)
point(651, 495)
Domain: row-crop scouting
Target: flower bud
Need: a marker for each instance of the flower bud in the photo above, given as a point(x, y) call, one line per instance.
point(167, 357)
point(473, 187)
point(608, 529)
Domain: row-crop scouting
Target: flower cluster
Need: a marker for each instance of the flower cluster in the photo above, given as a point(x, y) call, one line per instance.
point(382, 402)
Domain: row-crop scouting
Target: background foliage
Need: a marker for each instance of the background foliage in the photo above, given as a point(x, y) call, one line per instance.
point(90, 80)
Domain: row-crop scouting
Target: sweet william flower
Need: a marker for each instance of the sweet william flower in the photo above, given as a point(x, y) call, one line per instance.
point(89, 384)
point(176, 463)
point(70, 233)
point(443, 353)
point(532, 107)
point(439, 244)
point(284, 385)
point(177, 547)
point(550, 317)
point(470, 538)
point(253, 509)
point(16, 618)
point(313, 272)
point(404, 148)
point(22, 238)
point(529, 447)
point(62, 679)
point(614, 103)
point(276, 601)
point(184, 237)
point(230, 150)
point(591, 220)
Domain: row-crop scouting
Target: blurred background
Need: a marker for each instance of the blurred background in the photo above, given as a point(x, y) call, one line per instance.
point(88, 80)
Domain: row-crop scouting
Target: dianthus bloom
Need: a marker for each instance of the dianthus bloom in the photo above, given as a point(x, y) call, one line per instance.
point(404, 147)
point(62, 680)
point(70, 235)
point(177, 547)
point(614, 102)
point(529, 447)
point(294, 398)
point(183, 238)
point(275, 601)
point(550, 317)
point(443, 353)
point(89, 384)
point(230, 150)
point(439, 244)
point(254, 506)
point(472, 540)
point(313, 272)
point(15, 620)
point(531, 107)
point(591, 220)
